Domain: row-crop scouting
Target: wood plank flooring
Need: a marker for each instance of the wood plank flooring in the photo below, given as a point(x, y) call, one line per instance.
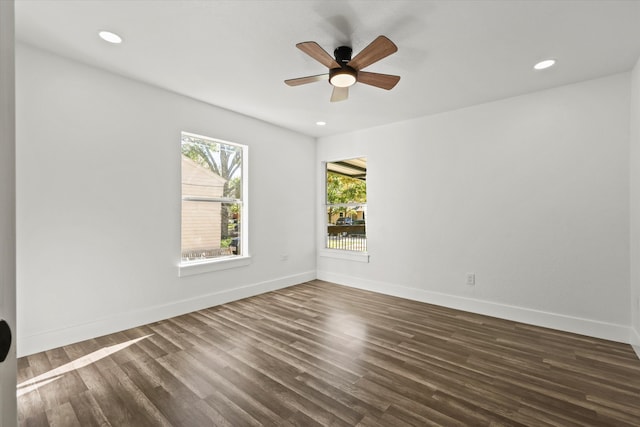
point(319, 354)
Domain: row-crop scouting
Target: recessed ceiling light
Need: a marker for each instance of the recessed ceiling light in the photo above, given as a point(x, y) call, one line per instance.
point(321, 123)
point(544, 64)
point(110, 37)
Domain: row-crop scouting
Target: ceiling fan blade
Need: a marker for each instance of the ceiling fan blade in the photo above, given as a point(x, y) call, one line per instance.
point(380, 48)
point(339, 94)
point(304, 80)
point(314, 50)
point(384, 81)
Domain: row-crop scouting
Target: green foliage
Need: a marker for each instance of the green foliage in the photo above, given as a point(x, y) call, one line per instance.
point(343, 189)
point(235, 188)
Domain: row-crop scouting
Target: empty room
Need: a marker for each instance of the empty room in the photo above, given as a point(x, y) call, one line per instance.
point(314, 213)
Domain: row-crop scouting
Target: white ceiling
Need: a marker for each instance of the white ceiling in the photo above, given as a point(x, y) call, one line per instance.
point(236, 54)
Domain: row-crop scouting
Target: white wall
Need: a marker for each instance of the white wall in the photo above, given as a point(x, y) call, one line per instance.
point(98, 171)
point(8, 414)
point(635, 206)
point(530, 193)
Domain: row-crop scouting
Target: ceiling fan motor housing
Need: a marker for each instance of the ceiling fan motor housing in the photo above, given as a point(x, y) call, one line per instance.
point(343, 55)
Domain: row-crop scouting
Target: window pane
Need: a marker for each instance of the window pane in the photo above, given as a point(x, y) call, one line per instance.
point(210, 229)
point(211, 198)
point(345, 189)
point(346, 228)
point(346, 204)
point(216, 160)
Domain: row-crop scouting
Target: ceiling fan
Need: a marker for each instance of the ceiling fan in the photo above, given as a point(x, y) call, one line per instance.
point(344, 71)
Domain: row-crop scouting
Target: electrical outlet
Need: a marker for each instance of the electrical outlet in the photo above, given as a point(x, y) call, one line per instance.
point(284, 257)
point(637, 303)
point(471, 279)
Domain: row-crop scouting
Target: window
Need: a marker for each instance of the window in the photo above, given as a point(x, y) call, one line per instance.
point(346, 204)
point(213, 199)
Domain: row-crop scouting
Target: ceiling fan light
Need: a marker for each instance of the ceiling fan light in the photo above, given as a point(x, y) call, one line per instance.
point(342, 77)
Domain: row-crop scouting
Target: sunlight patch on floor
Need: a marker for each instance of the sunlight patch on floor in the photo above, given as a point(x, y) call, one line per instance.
point(57, 373)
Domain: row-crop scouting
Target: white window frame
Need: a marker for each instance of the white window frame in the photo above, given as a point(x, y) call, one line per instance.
point(189, 268)
point(323, 251)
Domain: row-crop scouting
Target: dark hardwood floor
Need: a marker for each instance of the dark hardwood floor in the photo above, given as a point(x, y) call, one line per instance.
point(322, 354)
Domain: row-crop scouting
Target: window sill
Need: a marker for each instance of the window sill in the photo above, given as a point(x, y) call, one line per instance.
point(346, 255)
point(199, 267)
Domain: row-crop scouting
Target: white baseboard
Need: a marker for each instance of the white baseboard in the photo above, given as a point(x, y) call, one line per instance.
point(635, 341)
point(592, 328)
point(56, 338)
